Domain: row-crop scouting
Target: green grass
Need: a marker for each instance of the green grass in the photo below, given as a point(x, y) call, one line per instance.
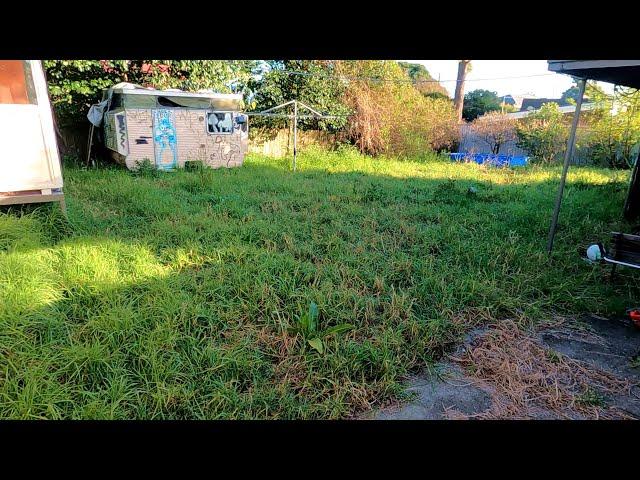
point(183, 295)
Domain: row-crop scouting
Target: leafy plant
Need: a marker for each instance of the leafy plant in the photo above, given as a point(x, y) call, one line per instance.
point(394, 117)
point(308, 327)
point(543, 134)
point(145, 168)
point(612, 136)
point(316, 85)
point(478, 102)
point(591, 397)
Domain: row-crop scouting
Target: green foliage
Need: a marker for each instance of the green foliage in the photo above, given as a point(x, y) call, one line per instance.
point(424, 82)
point(478, 102)
point(317, 87)
point(394, 117)
point(308, 326)
point(591, 397)
point(170, 297)
point(593, 93)
point(74, 85)
point(543, 134)
point(612, 135)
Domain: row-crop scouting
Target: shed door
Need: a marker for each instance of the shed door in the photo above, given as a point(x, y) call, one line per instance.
point(24, 157)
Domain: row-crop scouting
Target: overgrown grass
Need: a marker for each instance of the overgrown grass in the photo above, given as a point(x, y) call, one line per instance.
point(181, 295)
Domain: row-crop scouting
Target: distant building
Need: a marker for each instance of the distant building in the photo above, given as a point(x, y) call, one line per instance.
point(513, 100)
point(536, 103)
point(567, 108)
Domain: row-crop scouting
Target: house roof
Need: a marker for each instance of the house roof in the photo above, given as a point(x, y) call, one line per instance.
point(563, 109)
point(536, 103)
point(515, 100)
point(129, 95)
point(619, 72)
point(131, 89)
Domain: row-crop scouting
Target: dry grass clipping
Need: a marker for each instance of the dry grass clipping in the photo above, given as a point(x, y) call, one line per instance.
point(526, 379)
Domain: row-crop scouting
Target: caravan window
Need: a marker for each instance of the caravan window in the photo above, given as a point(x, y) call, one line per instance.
point(220, 122)
point(16, 84)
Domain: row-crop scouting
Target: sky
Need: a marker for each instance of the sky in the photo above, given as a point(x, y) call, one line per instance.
point(535, 78)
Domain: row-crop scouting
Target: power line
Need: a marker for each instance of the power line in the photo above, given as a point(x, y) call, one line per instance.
point(397, 80)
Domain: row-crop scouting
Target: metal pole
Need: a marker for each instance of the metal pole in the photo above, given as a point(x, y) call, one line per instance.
point(567, 158)
point(295, 133)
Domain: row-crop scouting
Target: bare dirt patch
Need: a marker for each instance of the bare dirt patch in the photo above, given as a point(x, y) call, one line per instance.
point(570, 369)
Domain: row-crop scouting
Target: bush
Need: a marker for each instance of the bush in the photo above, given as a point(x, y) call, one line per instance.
point(394, 117)
point(543, 134)
point(613, 137)
point(495, 129)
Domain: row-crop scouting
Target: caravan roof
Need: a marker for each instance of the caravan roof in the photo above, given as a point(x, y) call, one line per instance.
point(126, 95)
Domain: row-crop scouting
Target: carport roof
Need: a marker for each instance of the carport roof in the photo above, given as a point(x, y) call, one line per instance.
point(620, 72)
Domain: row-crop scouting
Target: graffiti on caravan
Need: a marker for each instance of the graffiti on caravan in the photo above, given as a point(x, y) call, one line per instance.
point(165, 139)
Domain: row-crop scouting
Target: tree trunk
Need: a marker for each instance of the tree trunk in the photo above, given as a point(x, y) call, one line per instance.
point(459, 96)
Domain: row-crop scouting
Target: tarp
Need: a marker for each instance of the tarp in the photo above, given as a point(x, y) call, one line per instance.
point(96, 112)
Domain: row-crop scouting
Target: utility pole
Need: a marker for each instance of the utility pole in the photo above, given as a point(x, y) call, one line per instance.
point(459, 96)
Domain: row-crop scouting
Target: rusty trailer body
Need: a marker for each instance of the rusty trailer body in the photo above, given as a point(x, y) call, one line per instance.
point(169, 128)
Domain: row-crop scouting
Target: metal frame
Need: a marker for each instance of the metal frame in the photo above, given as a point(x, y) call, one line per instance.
point(564, 65)
point(567, 159)
point(294, 117)
point(610, 71)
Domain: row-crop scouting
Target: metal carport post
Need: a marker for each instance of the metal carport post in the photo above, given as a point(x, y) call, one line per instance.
point(567, 158)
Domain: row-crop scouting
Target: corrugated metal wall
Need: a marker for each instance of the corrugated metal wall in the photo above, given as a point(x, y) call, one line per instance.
point(470, 142)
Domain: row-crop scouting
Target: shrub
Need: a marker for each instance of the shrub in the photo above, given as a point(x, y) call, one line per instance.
point(543, 134)
point(393, 117)
point(495, 129)
point(613, 134)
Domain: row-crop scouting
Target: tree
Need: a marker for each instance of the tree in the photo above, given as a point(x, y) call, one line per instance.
point(393, 116)
point(495, 129)
point(613, 136)
point(316, 84)
point(423, 81)
point(479, 102)
point(463, 67)
point(74, 85)
point(593, 92)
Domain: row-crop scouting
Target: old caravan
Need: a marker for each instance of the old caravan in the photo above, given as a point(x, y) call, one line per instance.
point(29, 159)
point(169, 128)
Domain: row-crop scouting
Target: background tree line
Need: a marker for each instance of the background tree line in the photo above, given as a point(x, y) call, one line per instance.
point(383, 107)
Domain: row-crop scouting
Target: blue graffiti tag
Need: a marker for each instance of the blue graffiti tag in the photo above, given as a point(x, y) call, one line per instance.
point(164, 136)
